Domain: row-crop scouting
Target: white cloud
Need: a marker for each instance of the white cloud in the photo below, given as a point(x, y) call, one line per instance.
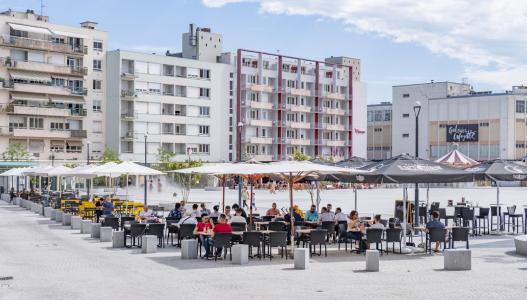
point(488, 37)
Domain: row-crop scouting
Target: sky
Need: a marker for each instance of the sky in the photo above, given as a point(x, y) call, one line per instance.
point(397, 41)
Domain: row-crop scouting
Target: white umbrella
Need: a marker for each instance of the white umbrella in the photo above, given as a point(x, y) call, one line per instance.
point(39, 171)
point(16, 171)
point(58, 171)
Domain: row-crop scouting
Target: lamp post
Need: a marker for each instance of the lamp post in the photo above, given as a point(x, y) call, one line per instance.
point(239, 159)
point(146, 152)
point(88, 162)
point(417, 110)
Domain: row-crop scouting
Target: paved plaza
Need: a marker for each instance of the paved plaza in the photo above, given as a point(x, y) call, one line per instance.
point(50, 261)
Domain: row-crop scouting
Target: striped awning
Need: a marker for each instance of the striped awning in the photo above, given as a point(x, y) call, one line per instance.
point(34, 29)
point(30, 76)
point(456, 158)
point(29, 97)
point(71, 34)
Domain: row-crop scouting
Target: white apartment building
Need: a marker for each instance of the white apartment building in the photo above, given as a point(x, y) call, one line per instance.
point(180, 104)
point(52, 94)
point(483, 125)
point(380, 131)
point(287, 103)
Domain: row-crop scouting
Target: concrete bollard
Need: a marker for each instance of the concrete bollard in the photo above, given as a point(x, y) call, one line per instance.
point(47, 212)
point(95, 230)
point(457, 259)
point(301, 258)
point(66, 219)
point(149, 243)
point(189, 249)
point(86, 226)
point(118, 239)
point(240, 254)
point(76, 222)
point(59, 215)
point(106, 234)
point(520, 243)
point(53, 214)
point(372, 260)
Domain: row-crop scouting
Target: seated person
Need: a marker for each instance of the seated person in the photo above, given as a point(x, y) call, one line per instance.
point(204, 209)
point(147, 215)
point(204, 226)
point(237, 218)
point(376, 222)
point(228, 212)
point(340, 216)
point(222, 226)
point(326, 216)
point(298, 221)
point(195, 211)
point(215, 211)
point(355, 228)
point(107, 206)
point(175, 212)
point(187, 220)
point(273, 211)
point(311, 216)
point(235, 208)
point(435, 223)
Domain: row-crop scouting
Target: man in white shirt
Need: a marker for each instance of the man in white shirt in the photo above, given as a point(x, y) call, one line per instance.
point(187, 220)
point(146, 215)
point(238, 218)
point(340, 216)
point(326, 216)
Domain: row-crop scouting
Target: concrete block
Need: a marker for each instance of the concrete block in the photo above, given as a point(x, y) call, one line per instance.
point(189, 249)
point(457, 259)
point(372, 260)
point(40, 210)
point(47, 212)
point(86, 226)
point(59, 215)
point(76, 222)
point(17, 201)
point(95, 230)
point(53, 214)
point(301, 258)
point(521, 244)
point(240, 254)
point(149, 244)
point(66, 219)
point(106, 234)
point(118, 239)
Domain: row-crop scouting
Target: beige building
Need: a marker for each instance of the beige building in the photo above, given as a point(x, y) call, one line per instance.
point(380, 131)
point(52, 95)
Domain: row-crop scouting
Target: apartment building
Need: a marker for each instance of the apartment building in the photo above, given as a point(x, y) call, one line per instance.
point(380, 131)
point(180, 105)
point(52, 94)
point(287, 103)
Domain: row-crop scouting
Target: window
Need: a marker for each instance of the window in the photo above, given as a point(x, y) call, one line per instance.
point(97, 106)
point(97, 126)
point(442, 125)
point(97, 45)
point(141, 67)
point(377, 129)
point(204, 111)
point(484, 124)
point(204, 73)
point(97, 65)
point(36, 123)
point(203, 130)
point(154, 69)
point(56, 126)
point(406, 95)
point(387, 115)
point(97, 84)
point(520, 106)
point(520, 145)
point(370, 116)
point(204, 92)
point(406, 115)
point(203, 148)
point(406, 135)
point(378, 116)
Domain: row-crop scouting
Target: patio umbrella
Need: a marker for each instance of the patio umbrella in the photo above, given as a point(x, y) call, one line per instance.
point(353, 162)
point(456, 158)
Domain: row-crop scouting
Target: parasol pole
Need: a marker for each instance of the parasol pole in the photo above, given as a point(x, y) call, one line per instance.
point(126, 193)
point(427, 201)
point(291, 213)
point(355, 191)
point(223, 193)
point(498, 208)
point(250, 205)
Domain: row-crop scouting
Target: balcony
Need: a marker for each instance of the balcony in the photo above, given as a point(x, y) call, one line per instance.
point(262, 105)
point(333, 143)
point(129, 116)
point(49, 89)
point(46, 68)
point(128, 95)
point(299, 142)
point(261, 88)
point(336, 96)
point(262, 123)
point(39, 111)
point(300, 92)
point(338, 127)
point(299, 125)
point(333, 111)
point(262, 157)
point(128, 136)
point(40, 133)
point(45, 45)
point(260, 140)
point(299, 108)
point(79, 133)
point(128, 76)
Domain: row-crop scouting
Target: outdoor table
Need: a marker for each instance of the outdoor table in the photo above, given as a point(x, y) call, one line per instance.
point(499, 210)
point(259, 223)
point(304, 231)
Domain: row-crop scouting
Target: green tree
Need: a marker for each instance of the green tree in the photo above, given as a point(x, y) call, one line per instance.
point(109, 156)
point(299, 155)
point(185, 181)
point(16, 152)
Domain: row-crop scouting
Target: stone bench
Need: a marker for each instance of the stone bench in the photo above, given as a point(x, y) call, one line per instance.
point(106, 234)
point(118, 239)
point(76, 222)
point(66, 219)
point(189, 249)
point(520, 243)
point(47, 212)
point(240, 254)
point(149, 243)
point(95, 230)
point(86, 226)
point(301, 257)
point(53, 214)
point(457, 259)
point(372, 260)
point(59, 215)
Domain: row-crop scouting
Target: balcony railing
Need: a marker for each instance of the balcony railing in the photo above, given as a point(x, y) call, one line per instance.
point(45, 110)
point(79, 133)
point(44, 67)
point(46, 89)
point(39, 44)
point(127, 94)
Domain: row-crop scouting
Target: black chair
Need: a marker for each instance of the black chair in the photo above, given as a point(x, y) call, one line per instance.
point(172, 229)
point(277, 226)
point(136, 231)
point(422, 215)
point(513, 219)
point(111, 222)
point(482, 220)
point(159, 231)
point(277, 239)
point(124, 219)
point(343, 236)
point(267, 218)
point(186, 231)
point(330, 228)
point(253, 239)
point(442, 215)
point(238, 226)
point(459, 234)
point(318, 237)
point(222, 241)
point(393, 235)
point(468, 217)
point(435, 235)
point(374, 235)
point(495, 211)
point(434, 207)
point(458, 215)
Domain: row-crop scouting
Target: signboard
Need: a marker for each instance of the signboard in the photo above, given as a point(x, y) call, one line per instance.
point(462, 133)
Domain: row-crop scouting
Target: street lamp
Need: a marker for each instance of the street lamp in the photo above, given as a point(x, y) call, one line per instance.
point(417, 110)
point(146, 152)
point(239, 159)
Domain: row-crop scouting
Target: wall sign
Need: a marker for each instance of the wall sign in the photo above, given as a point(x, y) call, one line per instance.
point(462, 133)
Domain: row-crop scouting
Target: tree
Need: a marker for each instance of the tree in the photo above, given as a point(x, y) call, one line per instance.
point(16, 152)
point(185, 181)
point(109, 156)
point(299, 155)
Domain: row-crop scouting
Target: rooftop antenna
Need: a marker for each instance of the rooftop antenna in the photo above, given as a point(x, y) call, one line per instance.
point(42, 7)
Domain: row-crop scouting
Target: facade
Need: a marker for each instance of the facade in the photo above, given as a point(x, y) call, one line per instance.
point(181, 105)
point(379, 131)
point(482, 125)
point(52, 95)
point(286, 103)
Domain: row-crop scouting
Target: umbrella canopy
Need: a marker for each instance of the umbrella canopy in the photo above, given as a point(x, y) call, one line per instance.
point(125, 168)
point(81, 171)
point(17, 171)
point(209, 169)
point(499, 170)
point(354, 162)
point(408, 169)
point(40, 171)
point(58, 171)
point(456, 158)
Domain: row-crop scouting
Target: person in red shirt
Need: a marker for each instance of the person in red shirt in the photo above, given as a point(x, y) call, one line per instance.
point(222, 226)
point(204, 226)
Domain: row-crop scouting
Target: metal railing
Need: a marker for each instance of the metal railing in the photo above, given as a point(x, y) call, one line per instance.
point(41, 44)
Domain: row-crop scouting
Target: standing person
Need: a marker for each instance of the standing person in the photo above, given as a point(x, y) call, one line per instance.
point(245, 196)
point(98, 209)
point(253, 202)
point(150, 184)
point(272, 188)
point(107, 206)
point(435, 223)
point(159, 185)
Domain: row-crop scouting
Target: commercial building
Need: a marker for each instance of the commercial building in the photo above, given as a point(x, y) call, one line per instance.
point(178, 104)
point(379, 131)
point(483, 125)
point(286, 103)
point(52, 91)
